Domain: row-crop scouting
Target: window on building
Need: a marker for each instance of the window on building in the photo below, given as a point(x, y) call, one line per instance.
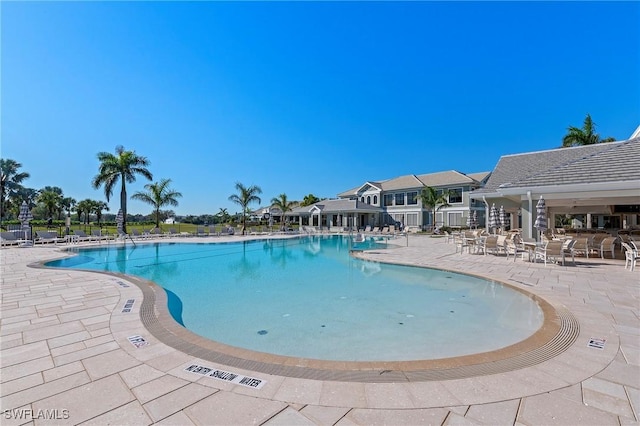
point(412, 197)
point(455, 219)
point(400, 199)
point(362, 199)
point(398, 218)
point(455, 195)
point(412, 219)
point(368, 199)
point(375, 200)
point(388, 200)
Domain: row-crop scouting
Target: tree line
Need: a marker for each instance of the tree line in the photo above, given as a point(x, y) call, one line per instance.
point(117, 170)
point(123, 167)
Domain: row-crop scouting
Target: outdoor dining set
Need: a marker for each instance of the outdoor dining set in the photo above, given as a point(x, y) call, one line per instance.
point(555, 246)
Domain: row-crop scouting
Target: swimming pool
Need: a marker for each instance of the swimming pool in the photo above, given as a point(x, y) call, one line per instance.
point(307, 297)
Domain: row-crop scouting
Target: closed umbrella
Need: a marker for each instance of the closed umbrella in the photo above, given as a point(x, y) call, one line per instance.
point(469, 221)
point(503, 218)
point(120, 222)
point(475, 219)
point(541, 216)
point(25, 217)
point(493, 217)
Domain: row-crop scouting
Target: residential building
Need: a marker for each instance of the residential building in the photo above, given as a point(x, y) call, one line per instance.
point(397, 202)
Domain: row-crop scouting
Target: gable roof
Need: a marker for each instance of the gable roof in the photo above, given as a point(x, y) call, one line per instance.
point(339, 205)
point(604, 162)
point(451, 177)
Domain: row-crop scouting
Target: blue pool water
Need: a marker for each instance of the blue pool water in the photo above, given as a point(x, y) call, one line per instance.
point(307, 297)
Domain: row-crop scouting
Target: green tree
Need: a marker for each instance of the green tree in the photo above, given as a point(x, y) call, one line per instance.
point(52, 201)
point(68, 204)
point(282, 203)
point(223, 215)
point(585, 136)
point(434, 200)
point(85, 207)
point(158, 195)
point(309, 200)
point(98, 207)
point(124, 166)
point(10, 184)
point(243, 198)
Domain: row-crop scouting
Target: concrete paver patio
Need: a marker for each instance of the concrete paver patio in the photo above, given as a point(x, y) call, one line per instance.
point(66, 357)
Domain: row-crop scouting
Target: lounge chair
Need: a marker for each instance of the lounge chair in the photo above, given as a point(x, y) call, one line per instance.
point(514, 246)
point(10, 238)
point(135, 233)
point(608, 245)
point(582, 245)
point(567, 246)
point(552, 250)
point(200, 231)
point(98, 235)
point(460, 242)
point(82, 236)
point(630, 256)
point(153, 232)
point(46, 237)
point(489, 244)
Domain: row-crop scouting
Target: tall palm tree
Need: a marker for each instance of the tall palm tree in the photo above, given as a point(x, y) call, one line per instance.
point(282, 203)
point(585, 136)
point(434, 200)
point(243, 198)
point(123, 166)
point(158, 194)
point(10, 182)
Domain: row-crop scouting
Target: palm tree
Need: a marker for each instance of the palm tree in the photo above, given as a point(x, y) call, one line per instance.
point(68, 204)
point(309, 200)
point(125, 165)
point(244, 197)
point(223, 214)
point(98, 207)
point(282, 203)
point(10, 182)
point(85, 206)
point(158, 195)
point(52, 201)
point(434, 200)
point(585, 136)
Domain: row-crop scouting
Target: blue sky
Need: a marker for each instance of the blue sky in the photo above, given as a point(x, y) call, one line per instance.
point(305, 97)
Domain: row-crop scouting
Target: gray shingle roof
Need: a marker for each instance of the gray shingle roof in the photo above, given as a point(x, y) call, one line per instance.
point(606, 162)
point(337, 205)
point(450, 177)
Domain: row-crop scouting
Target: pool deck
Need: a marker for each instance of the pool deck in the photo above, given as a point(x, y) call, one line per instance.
point(67, 355)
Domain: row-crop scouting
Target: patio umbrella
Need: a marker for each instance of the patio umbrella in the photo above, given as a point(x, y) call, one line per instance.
point(503, 218)
point(25, 217)
point(541, 216)
point(469, 221)
point(120, 222)
point(493, 217)
point(475, 218)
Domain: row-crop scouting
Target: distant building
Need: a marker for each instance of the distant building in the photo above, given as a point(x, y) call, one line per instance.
point(397, 202)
